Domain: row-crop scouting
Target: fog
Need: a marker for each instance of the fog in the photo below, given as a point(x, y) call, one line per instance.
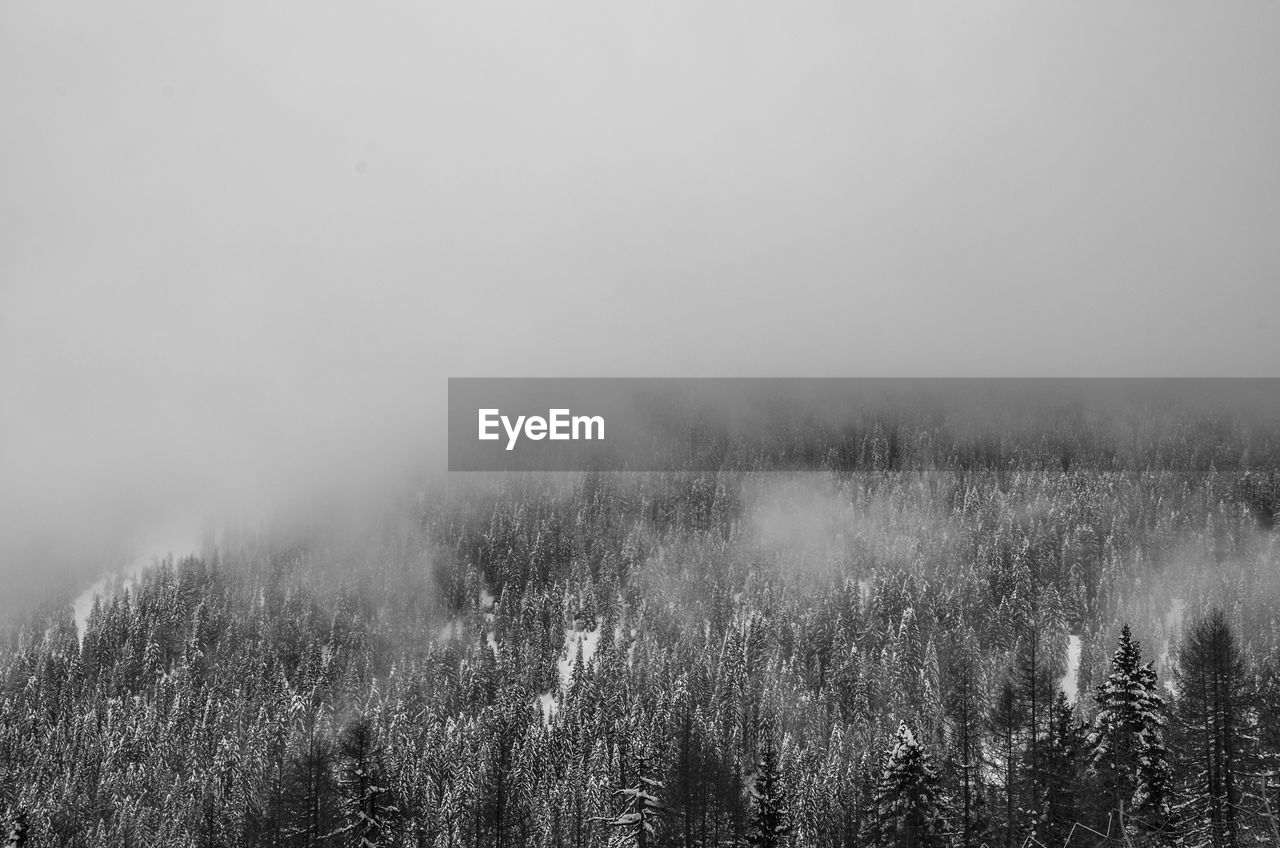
point(243, 245)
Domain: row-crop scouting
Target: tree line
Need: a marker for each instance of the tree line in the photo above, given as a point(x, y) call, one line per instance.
point(977, 656)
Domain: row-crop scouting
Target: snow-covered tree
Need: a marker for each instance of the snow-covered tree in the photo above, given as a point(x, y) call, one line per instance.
point(17, 830)
point(365, 803)
point(770, 822)
point(641, 810)
point(907, 813)
point(1127, 752)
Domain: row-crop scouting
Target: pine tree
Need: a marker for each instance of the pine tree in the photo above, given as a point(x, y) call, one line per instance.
point(365, 802)
point(309, 788)
point(1267, 688)
point(641, 809)
point(1033, 677)
point(17, 830)
point(770, 822)
point(1061, 769)
point(1211, 710)
point(906, 813)
point(1003, 724)
point(965, 704)
point(1126, 747)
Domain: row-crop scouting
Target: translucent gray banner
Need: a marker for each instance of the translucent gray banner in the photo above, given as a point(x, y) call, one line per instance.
point(550, 424)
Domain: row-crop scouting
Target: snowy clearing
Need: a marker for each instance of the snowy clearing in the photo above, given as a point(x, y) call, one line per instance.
point(178, 541)
point(588, 639)
point(548, 707)
point(1070, 682)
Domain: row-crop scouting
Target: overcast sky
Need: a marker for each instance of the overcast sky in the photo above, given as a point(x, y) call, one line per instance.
point(243, 244)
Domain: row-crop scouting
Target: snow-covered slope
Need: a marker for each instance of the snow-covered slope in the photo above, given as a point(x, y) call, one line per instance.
point(1070, 682)
point(179, 540)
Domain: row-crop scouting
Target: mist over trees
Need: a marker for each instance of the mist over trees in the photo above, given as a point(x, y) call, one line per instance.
point(993, 651)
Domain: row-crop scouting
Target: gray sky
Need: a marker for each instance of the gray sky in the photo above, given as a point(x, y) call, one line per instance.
point(242, 244)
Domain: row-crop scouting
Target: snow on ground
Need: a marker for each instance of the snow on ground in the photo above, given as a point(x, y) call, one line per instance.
point(453, 628)
point(486, 603)
point(1070, 682)
point(548, 707)
point(631, 646)
point(82, 606)
point(1172, 627)
point(179, 540)
point(572, 638)
point(547, 703)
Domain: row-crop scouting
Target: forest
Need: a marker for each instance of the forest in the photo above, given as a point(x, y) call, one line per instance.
point(1064, 636)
